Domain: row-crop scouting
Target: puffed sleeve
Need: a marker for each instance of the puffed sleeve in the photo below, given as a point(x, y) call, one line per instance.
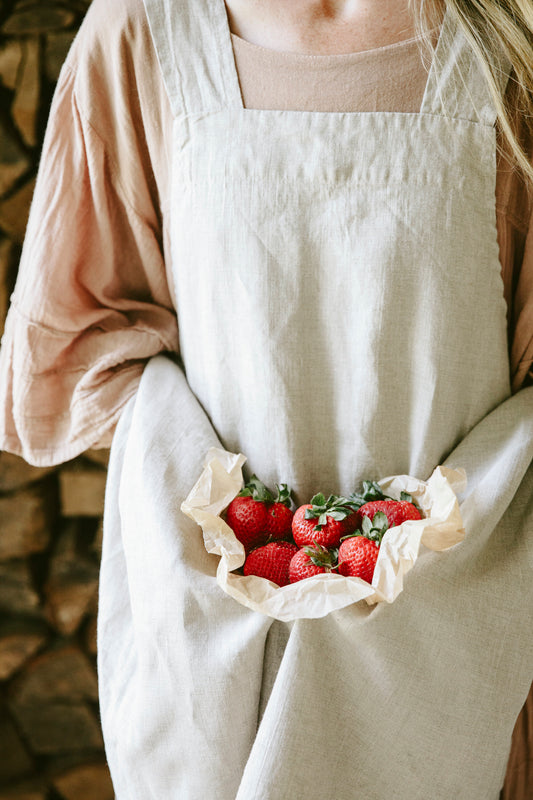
point(92, 302)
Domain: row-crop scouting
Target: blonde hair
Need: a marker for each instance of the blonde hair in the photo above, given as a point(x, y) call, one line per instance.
point(508, 24)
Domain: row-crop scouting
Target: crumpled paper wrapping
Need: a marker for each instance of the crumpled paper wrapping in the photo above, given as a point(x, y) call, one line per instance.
point(440, 529)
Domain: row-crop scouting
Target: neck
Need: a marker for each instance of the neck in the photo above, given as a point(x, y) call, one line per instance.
point(321, 26)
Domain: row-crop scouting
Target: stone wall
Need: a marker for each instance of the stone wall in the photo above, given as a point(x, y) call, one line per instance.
point(50, 519)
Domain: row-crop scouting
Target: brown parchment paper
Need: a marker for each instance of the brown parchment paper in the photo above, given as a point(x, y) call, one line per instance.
point(441, 528)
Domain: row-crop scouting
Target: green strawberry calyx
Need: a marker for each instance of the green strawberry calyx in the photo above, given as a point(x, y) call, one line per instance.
point(370, 492)
point(373, 529)
point(338, 508)
point(322, 556)
point(406, 497)
point(258, 491)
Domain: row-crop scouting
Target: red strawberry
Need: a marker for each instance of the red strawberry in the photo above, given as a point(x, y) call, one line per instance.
point(255, 515)
point(279, 520)
point(312, 560)
point(396, 511)
point(357, 557)
point(323, 521)
point(271, 562)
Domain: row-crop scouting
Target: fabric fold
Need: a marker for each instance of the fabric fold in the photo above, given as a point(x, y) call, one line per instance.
point(180, 663)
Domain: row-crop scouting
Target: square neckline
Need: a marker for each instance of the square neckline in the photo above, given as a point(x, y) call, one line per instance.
point(327, 56)
point(229, 54)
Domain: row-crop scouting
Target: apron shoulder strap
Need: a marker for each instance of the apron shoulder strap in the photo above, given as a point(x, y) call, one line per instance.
point(193, 45)
point(456, 86)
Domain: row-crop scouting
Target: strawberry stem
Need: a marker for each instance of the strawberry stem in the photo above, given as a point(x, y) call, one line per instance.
point(372, 491)
point(373, 529)
point(335, 507)
point(257, 489)
point(321, 556)
point(283, 495)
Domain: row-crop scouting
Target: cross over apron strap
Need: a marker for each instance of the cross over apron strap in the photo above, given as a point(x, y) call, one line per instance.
point(456, 85)
point(193, 44)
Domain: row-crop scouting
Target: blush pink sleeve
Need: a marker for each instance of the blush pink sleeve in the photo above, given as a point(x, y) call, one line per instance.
point(522, 342)
point(92, 303)
point(514, 211)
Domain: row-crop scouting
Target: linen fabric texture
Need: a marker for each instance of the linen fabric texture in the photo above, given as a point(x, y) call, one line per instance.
point(201, 697)
point(369, 363)
point(94, 300)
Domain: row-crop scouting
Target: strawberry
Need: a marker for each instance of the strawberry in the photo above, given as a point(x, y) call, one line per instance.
point(255, 515)
point(312, 560)
point(396, 511)
point(279, 517)
point(357, 557)
point(271, 561)
point(323, 521)
point(358, 551)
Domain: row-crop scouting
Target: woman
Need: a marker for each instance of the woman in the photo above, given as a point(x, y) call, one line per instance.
point(332, 250)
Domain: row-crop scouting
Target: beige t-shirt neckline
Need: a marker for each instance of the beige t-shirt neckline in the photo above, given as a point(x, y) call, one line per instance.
point(324, 57)
point(369, 80)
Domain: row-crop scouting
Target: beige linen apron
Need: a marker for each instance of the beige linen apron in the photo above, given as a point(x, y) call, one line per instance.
point(341, 315)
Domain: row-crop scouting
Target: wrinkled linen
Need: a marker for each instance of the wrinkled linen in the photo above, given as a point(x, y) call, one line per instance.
point(95, 296)
point(392, 376)
point(201, 697)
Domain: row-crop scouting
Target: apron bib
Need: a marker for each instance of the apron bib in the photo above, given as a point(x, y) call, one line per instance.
point(337, 278)
point(341, 316)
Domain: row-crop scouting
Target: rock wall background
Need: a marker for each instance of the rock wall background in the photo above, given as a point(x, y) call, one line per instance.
point(50, 519)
